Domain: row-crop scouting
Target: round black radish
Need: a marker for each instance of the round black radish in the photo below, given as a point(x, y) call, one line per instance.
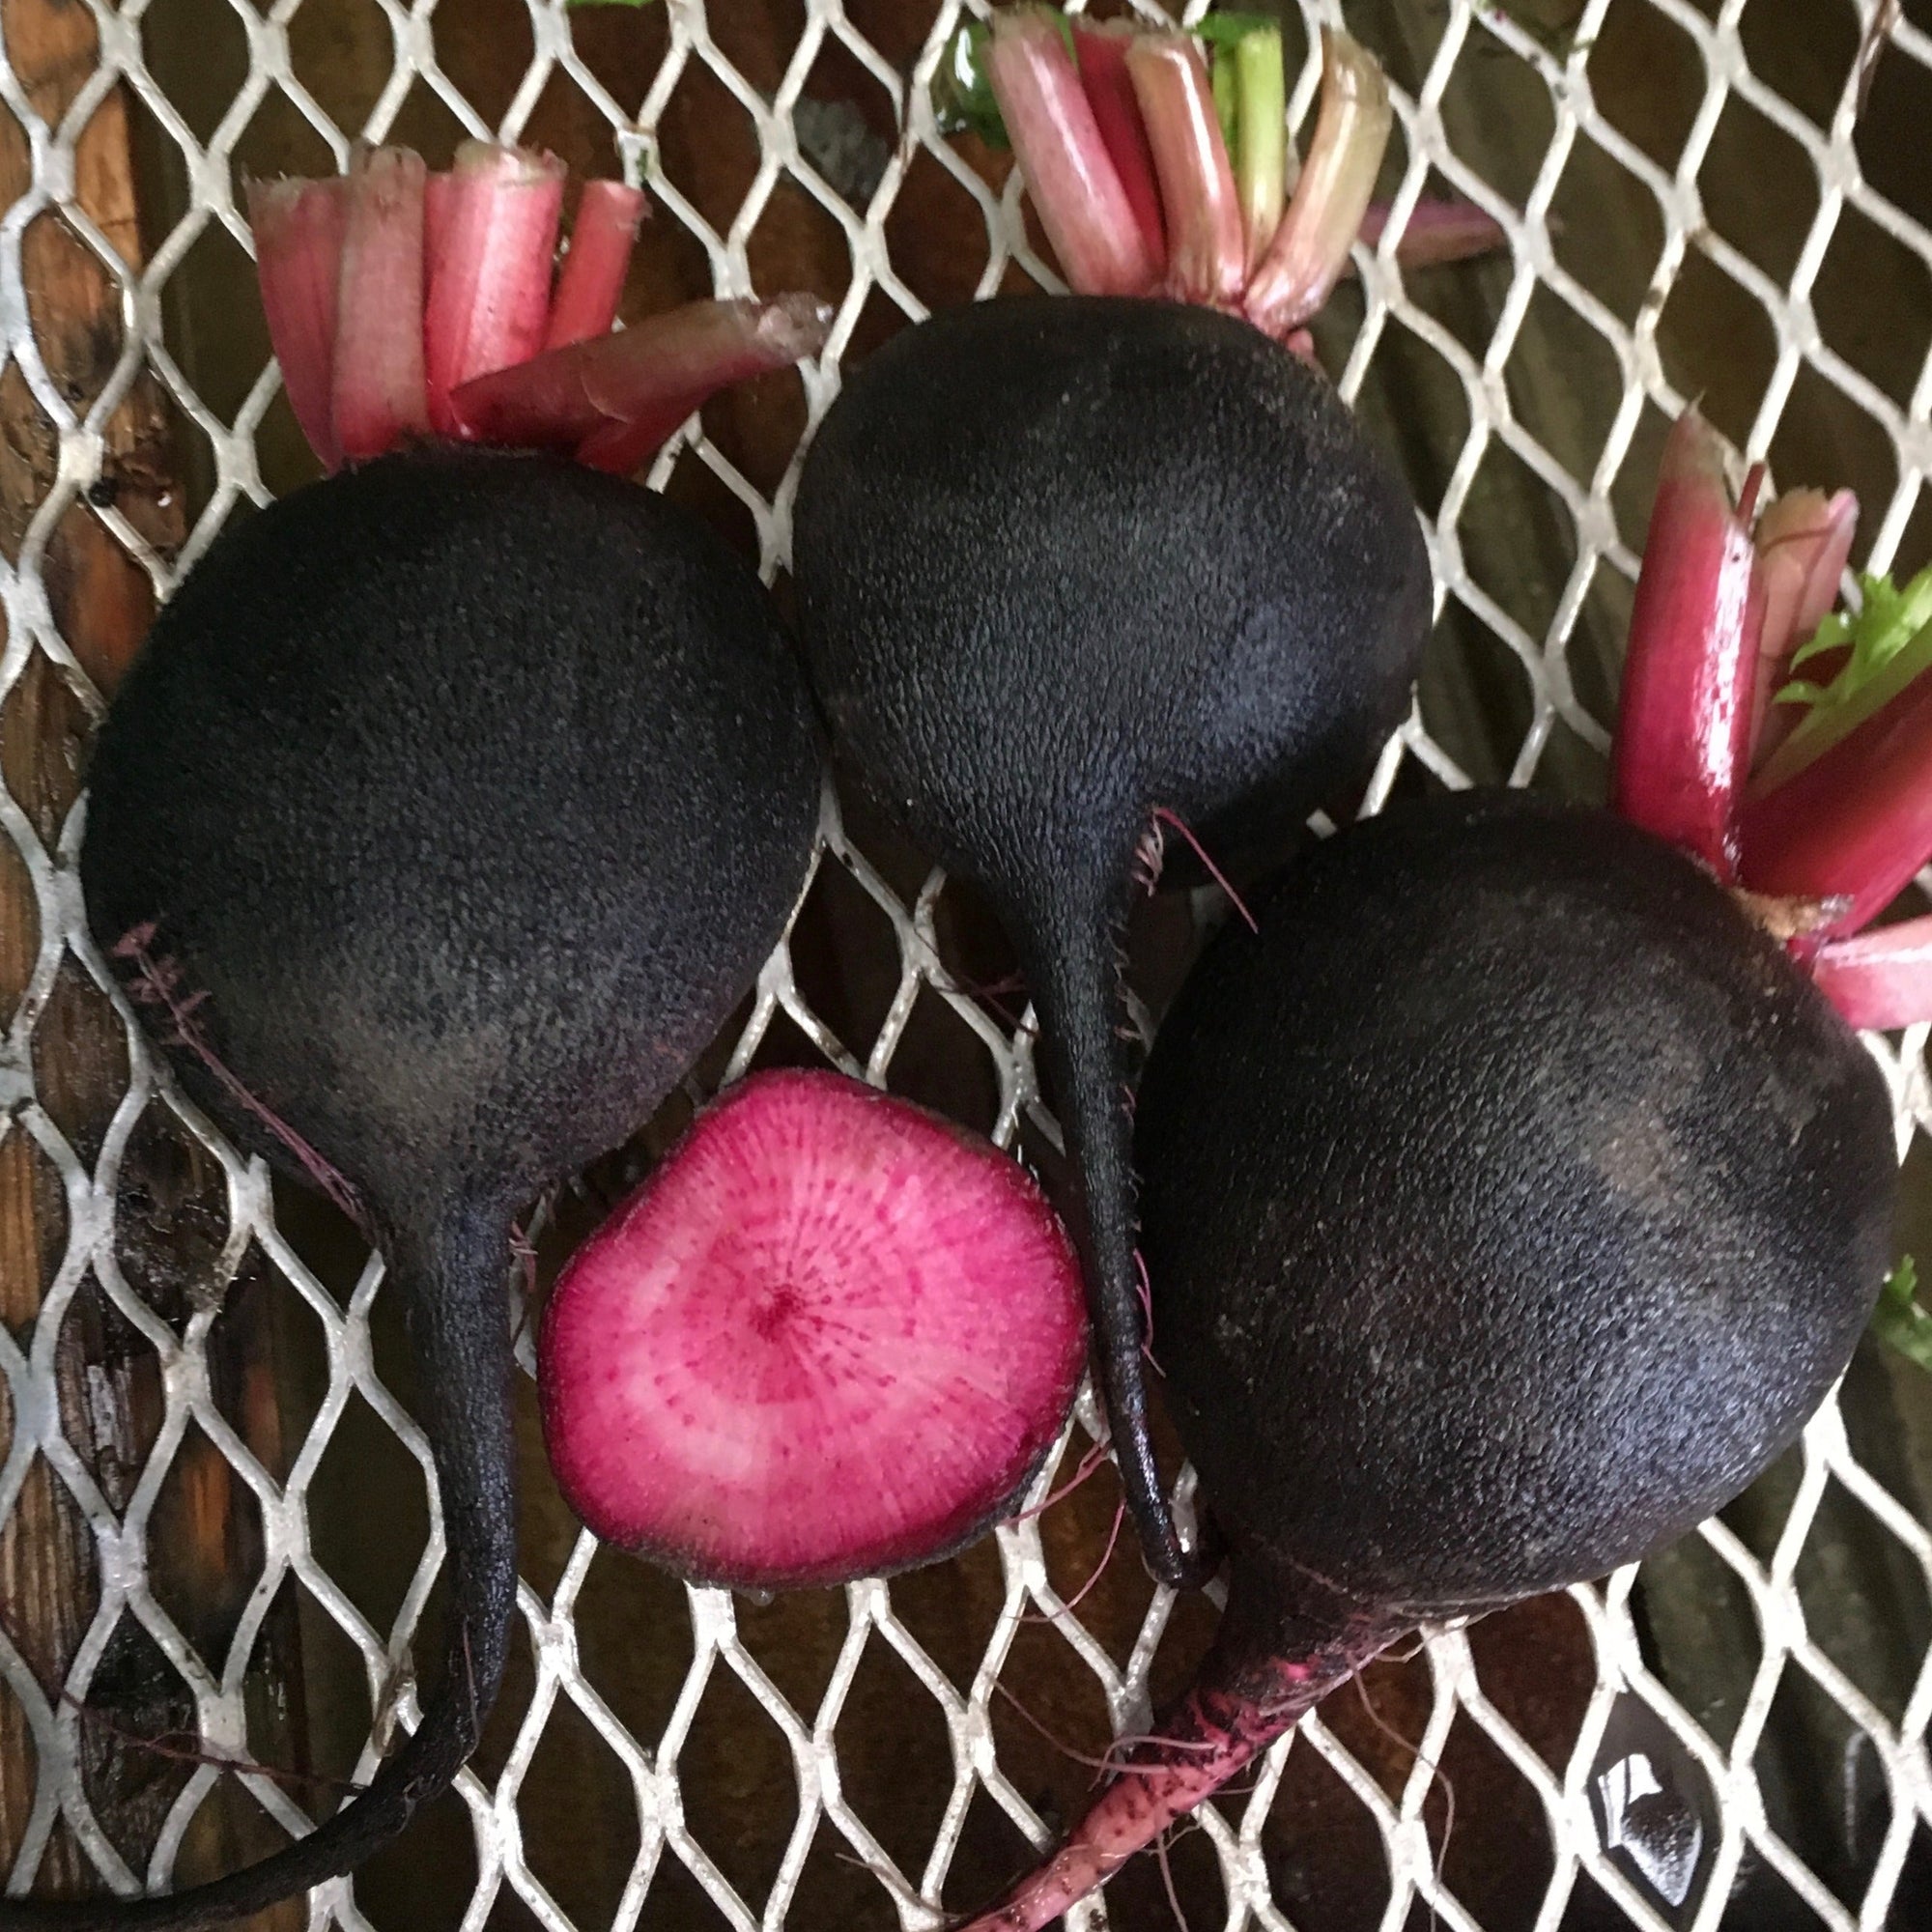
point(1510, 1200)
point(1066, 563)
point(446, 814)
point(1510, 1203)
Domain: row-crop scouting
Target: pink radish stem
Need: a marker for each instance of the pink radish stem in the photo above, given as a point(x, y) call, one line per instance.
point(654, 372)
point(299, 229)
point(1683, 722)
point(1880, 979)
point(1206, 247)
point(439, 197)
point(1857, 822)
point(1251, 1689)
point(379, 398)
point(489, 299)
point(1443, 228)
point(1101, 53)
point(1325, 214)
point(1804, 543)
point(832, 1335)
point(1075, 188)
point(592, 282)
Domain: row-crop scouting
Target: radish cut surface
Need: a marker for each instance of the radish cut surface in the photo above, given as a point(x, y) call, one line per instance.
point(832, 1335)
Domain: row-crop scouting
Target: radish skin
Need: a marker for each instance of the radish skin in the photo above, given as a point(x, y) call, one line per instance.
point(1245, 1695)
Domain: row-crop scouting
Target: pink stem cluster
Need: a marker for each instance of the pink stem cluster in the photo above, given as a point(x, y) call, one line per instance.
point(404, 304)
point(1129, 172)
point(1720, 610)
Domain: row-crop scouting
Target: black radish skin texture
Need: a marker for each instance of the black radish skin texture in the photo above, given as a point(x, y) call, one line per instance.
point(1510, 1202)
point(1063, 564)
point(470, 791)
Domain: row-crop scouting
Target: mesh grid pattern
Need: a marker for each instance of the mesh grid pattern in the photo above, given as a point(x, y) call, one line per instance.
point(650, 1763)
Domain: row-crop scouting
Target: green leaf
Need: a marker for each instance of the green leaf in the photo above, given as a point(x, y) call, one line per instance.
point(1224, 30)
point(1898, 1321)
point(1889, 640)
point(963, 101)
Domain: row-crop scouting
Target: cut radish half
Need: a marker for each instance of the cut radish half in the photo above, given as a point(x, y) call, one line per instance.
point(832, 1335)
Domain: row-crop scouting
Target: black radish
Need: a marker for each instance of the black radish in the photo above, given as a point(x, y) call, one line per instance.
point(1067, 567)
point(447, 814)
point(1511, 1201)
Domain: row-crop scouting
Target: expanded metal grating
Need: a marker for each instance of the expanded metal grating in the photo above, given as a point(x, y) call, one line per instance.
point(1668, 1787)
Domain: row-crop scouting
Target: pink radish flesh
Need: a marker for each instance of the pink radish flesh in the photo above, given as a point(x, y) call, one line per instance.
point(831, 1335)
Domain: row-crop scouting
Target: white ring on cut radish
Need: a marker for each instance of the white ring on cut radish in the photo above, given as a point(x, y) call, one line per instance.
point(831, 1335)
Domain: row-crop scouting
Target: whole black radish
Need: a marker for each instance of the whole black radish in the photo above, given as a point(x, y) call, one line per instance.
point(1511, 1200)
point(1072, 568)
point(445, 816)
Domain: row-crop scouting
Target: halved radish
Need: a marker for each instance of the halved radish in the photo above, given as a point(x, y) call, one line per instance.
point(832, 1335)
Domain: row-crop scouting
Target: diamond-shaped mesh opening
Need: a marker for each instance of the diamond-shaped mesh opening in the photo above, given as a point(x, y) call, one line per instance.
point(1733, 1735)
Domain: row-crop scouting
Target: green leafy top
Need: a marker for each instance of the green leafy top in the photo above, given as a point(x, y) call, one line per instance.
point(1888, 619)
point(963, 91)
point(1890, 638)
point(1898, 1321)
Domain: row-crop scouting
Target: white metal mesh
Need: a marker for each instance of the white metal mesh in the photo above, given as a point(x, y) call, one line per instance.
point(1575, 1794)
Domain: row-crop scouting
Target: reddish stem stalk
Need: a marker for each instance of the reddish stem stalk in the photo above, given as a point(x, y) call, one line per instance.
point(1857, 822)
point(1075, 187)
point(489, 299)
point(1101, 53)
point(1880, 979)
point(1240, 1702)
point(1443, 228)
point(1207, 240)
point(592, 282)
point(1325, 212)
point(1683, 722)
point(1804, 543)
point(378, 385)
point(299, 228)
point(601, 395)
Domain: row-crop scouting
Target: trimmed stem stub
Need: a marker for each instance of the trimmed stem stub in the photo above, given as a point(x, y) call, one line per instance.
point(613, 395)
point(377, 394)
point(1206, 249)
point(1076, 188)
point(1880, 979)
point(403, 305)
point(1683, 723)
point(1311, 248)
